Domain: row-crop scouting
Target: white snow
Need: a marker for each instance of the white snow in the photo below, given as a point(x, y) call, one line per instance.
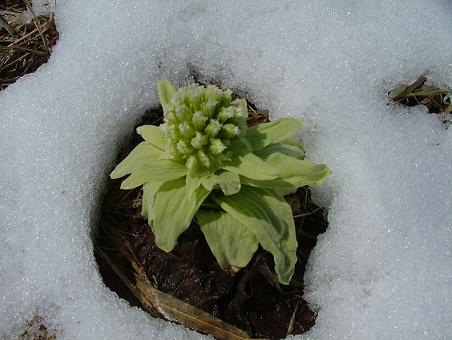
point(383, 269)
point(43, 7)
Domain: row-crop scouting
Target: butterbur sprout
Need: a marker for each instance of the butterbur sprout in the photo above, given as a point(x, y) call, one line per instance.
point(229, 178)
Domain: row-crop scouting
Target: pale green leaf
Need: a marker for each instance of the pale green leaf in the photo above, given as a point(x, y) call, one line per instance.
point(165, 90)
point(143, 153)
point(153, 135)
point(252, 166)
point(192, 184)
point(286, 149)
point(239, 147)
point(174, 211)
point(147, 203)
point(157, 170)
point(299, 172)
point(295, 142)
point(228, 181)
point(281, 186)
point(269, 218)
point(232, 244)
point(264, 134)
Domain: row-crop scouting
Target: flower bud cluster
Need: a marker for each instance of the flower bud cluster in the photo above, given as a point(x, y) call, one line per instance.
point(200, 124)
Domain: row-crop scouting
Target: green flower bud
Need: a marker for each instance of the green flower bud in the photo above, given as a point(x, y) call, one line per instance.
point(209, 108)
point(225, 114)
point(199, 140)
point(240, 114)
point(200, 124)
point(204, 159)
point(199, 120)
point(230, 131)
point(183, 148)
point(186, 130)
point(192, 163)
point(213, 128)
point(180, 111)
point(216, 147)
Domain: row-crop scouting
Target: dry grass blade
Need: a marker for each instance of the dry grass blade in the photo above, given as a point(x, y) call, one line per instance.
point(292, 319)
point(26, 40)
point(437, 100)
point(175, 310)
point(37, 330)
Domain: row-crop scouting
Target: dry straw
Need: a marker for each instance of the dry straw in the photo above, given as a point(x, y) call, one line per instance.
point(437, 100)
point(26, 40)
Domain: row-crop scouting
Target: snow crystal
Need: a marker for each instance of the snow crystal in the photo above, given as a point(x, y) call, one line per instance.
point(43, 7)
point(382, 270)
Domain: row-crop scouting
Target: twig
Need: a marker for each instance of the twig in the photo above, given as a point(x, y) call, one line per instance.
point(308, 213)
point(292, 319)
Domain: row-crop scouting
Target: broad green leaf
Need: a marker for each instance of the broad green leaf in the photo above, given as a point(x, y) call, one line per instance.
point(157, 170)
point(269, 218)
point(294, 141)
point(286, 149)
point(228, 181)
point(174, 211)
point(152, 134)
point(239, 147)
point(165, 90)
point(147, 204)
point(296, 171)
point(141, 154)
point(252, 166)
point(282, 187)
point(192, 184)
point(199, 171)
point(210, 182)
point(264, 134)
point(297, 174)
point(232, 244)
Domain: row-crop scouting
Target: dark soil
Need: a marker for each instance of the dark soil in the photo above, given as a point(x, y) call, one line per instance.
point(252, 299)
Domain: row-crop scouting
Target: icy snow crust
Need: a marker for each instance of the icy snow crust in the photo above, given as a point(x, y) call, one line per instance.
point(383, 269)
